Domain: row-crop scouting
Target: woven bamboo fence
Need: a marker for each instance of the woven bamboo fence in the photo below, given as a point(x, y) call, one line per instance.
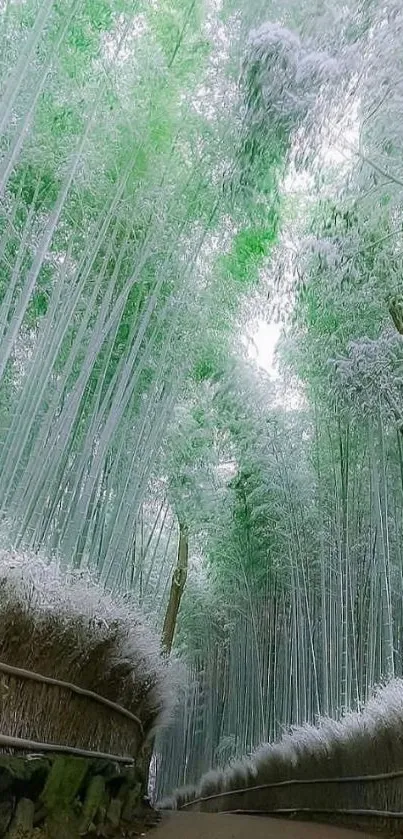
point(347, 772)
point(82, 686)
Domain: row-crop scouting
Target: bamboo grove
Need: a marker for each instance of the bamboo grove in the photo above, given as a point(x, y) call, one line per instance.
point(172, 171)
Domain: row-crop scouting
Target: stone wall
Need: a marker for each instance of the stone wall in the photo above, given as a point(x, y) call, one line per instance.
point(64, 797)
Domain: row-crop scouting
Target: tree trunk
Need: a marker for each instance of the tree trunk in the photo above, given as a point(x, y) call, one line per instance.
point(177, 588)
point(178, 583)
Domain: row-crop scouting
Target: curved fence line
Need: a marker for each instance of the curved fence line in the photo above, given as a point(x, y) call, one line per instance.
point(29, 675)
point(344, 779)
point(33, 745)
point(284, 811)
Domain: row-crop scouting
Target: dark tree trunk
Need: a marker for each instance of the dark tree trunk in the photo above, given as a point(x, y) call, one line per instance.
point(177, 588)
point(178, 583)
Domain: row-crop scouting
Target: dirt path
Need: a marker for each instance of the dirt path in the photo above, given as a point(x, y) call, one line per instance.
point(217, 826)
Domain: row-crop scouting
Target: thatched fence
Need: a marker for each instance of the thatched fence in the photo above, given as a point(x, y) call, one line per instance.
point(82, 687)
point(346, 772)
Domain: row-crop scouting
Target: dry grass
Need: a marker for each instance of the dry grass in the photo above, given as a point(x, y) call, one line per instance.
point(66, 627)
point(369, 742)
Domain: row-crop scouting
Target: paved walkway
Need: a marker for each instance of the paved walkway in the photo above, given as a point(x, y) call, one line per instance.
point(221, 826)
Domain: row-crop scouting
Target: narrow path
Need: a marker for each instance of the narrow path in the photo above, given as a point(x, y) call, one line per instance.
point(221, 826)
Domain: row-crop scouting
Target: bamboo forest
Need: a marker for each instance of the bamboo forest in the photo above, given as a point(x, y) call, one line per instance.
point(201, 343)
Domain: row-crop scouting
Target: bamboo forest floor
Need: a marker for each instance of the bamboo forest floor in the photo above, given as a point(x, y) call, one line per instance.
point(224, 826)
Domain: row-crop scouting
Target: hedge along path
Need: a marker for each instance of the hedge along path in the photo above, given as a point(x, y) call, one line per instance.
point(293, 782)
point(24, 744)
point(342, 815)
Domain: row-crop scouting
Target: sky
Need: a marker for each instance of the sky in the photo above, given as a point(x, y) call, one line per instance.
point(261, 345)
